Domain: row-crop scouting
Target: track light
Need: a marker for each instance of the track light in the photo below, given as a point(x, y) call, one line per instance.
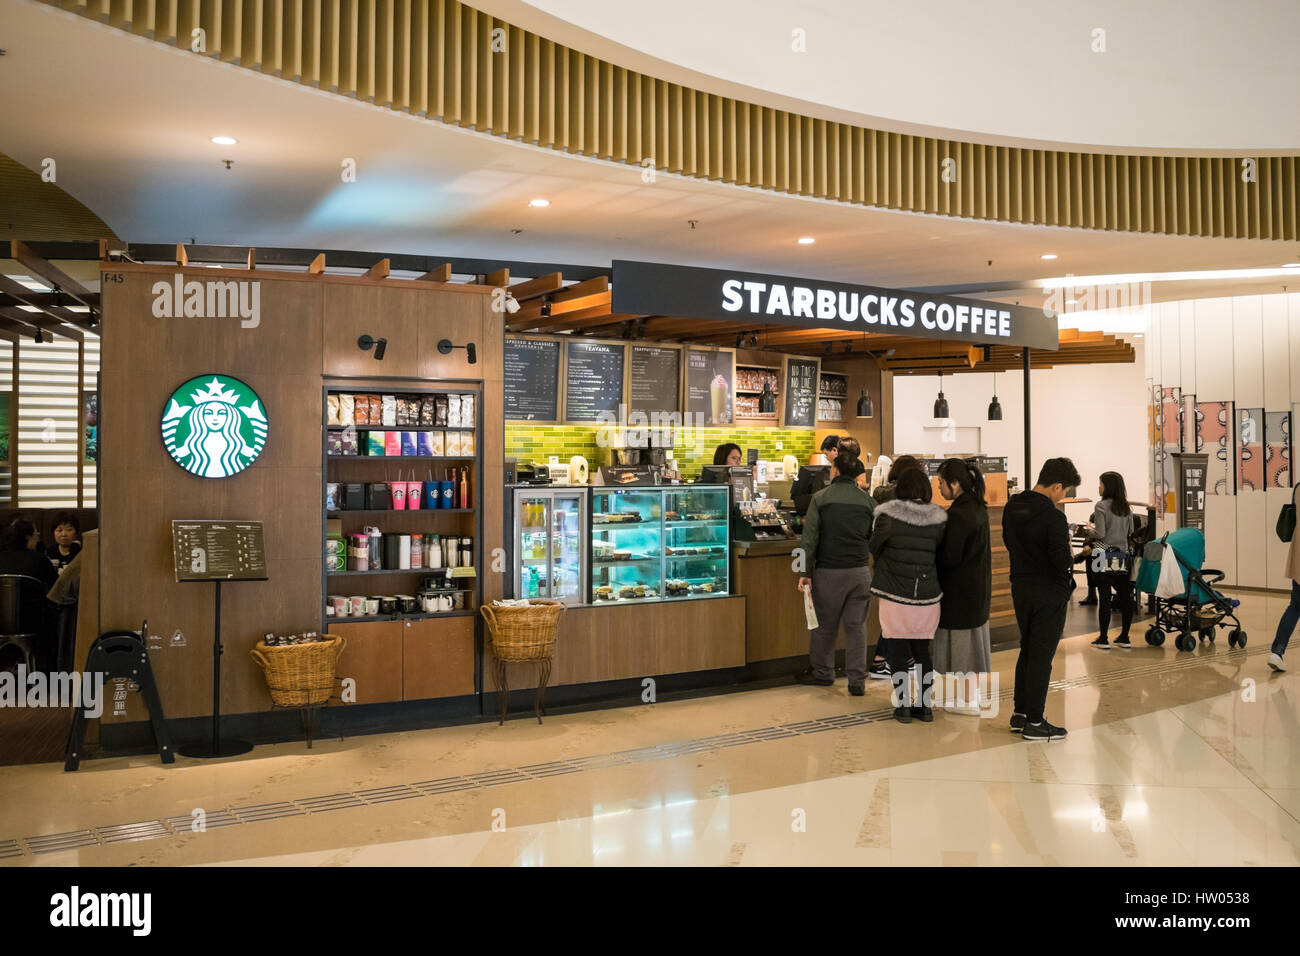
point(941, 403)
point(367, 342)
point(546, 310)
point(445, 348)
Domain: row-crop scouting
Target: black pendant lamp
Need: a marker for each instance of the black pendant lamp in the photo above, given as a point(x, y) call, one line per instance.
point(995, 407)
point(941, 403)
point(865, 409)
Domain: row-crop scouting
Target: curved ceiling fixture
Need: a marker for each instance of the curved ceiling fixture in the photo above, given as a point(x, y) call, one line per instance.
point(448, 62)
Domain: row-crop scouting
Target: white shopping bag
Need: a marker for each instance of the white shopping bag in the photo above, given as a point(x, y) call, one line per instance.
point(809, 611)
point(1171, 580)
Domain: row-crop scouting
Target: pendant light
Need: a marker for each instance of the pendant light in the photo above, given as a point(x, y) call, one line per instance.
point(941, 403)
point(865, 409)
point(995, 407)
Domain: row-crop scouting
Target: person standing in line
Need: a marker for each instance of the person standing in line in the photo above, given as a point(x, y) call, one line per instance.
point(905, 542)
point(836, 534)
point(1291, 616)
point(1037, 537)
point(1113, 524)
point(903, 463)
point(965, 560)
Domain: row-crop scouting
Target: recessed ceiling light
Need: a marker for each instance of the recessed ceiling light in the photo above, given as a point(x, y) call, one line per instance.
point(1048, 255)
point(1291, 265)
point(807, 241)
point(224, 140)
point(539, 203)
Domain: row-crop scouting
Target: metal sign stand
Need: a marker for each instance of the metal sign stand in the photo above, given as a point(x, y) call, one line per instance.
point(216, 747)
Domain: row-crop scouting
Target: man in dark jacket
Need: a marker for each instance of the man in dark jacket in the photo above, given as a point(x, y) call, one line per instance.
point(1037, 537)
point(836, 535)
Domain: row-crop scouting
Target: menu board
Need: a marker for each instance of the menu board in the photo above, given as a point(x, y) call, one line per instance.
point(532, 380)
point(654, 383)
point(709, 384)
point(218, 551)
point(801, 392)
point(594, 383)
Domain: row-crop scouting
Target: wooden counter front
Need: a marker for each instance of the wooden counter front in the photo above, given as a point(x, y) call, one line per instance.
point(619, 641)
point(775, 626)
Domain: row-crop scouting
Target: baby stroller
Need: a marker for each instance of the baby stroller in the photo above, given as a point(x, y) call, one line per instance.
point(1199, 609)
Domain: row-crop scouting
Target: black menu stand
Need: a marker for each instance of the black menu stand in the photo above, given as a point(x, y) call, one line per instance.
point(217, 747)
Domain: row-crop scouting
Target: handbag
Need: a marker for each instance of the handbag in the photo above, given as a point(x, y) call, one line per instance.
point(1286, 520)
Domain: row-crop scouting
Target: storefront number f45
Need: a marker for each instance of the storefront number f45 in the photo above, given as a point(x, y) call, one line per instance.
point(214, 426)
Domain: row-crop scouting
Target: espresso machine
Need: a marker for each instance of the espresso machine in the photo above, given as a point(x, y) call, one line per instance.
point(640, 446)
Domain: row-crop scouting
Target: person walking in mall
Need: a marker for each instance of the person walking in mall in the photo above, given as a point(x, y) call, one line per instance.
point(1113, 524)
point(965, 562)
point(1291, 616)
point(905, 542)
point(836, 534)
point(880, 662)
point(1037, 537)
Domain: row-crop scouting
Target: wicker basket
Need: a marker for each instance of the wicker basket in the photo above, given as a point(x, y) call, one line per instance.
point(524, 633)
point(300, 675)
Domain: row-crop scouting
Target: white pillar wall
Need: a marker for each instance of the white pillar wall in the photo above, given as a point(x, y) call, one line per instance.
point(1095, 415)
point(1244, 350)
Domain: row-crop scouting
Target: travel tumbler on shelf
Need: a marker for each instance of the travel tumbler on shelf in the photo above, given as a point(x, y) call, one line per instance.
point(444, 494)
point(376, 547)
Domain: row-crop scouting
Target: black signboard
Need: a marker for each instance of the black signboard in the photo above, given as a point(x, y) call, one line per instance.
point(645, 288)
point(991, 464)
point(218, 550)
point(532, 380)
point(654, 379)
point(594, 381)
point(801, 393)
point(1192, 470)
point(709, 378)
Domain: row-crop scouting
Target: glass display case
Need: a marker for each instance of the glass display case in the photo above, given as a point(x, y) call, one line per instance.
point(550, 554)
point(659, 543)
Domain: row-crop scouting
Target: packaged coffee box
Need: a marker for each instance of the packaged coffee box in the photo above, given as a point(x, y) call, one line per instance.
point(354, 497)
point(393, 444)
point(410, 445)
point(437, 444)
point(361, 410)
point(378, 497)
point(334, 443)
point(440, 410)
point(332, 410)
point(334, 544)
point(467, 443)
point(403, 412)
point(453, 411)
point(376, 442)
point(425, 440)
point(467, 411)
point(427, 411)
point(452, 444)
point(388, 409)
point(348, 441)
point(346, 416)
point(376, 409)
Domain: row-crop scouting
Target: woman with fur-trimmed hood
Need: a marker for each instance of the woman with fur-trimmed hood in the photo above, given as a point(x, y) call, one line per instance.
point(904, 541)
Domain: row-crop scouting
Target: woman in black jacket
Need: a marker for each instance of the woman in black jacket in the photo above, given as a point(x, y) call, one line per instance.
point(904, 541)
point(965, 560)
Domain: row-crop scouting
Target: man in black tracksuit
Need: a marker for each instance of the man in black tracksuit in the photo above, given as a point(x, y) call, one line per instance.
point(1037, 537)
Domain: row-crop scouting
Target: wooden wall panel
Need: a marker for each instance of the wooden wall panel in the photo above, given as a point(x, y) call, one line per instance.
point(308, 329)
point(615, 643)
point(437, 658)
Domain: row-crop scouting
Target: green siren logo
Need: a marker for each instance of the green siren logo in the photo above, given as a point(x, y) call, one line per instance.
point(214, 426)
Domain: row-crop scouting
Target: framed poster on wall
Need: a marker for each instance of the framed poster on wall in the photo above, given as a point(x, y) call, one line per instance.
point(1277, 449)
point(710, 385)
point(1213, 430)
point(1250, 449)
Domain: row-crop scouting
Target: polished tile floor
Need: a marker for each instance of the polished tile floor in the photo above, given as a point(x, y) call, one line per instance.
point(1173, 758)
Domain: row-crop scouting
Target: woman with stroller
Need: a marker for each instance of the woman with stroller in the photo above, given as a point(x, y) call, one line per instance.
point(1113, 522)
point(904, 542)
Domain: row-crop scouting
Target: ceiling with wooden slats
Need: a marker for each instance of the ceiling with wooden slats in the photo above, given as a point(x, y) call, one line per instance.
point(447, 62)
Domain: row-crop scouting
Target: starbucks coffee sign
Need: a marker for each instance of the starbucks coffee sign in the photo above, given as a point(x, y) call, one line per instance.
point(214, 426)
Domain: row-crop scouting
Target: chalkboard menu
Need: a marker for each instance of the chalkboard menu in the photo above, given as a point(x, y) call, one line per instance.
point(654, 383)
point(532, 380)
point(800, 392)
point(594, 383)
point(218, 551)
point(709, 379)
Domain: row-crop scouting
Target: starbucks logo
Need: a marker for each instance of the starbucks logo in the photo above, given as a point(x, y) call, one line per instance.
point(214, 426)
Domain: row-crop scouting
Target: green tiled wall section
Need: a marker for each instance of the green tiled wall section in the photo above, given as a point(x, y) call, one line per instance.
point(530, 443)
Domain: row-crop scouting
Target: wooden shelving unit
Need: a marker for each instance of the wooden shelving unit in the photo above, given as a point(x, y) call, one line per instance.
point(832, 387)
point(745, 411)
